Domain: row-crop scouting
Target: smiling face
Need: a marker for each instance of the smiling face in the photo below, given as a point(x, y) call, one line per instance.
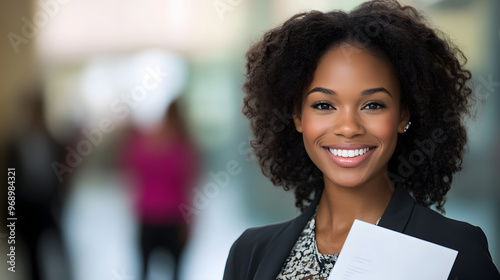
point(350, 117)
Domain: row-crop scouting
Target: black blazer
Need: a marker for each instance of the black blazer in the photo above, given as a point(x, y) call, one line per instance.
point(259, 253)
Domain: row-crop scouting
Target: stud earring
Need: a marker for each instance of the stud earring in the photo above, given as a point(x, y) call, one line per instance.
point(406, 127)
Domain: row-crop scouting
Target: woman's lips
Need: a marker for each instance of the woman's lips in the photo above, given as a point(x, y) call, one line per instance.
point(350, 157)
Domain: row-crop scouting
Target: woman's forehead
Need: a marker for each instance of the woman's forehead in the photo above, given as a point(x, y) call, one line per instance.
point(348, 66)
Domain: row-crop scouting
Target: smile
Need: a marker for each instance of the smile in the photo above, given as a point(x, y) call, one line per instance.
point(348, 153)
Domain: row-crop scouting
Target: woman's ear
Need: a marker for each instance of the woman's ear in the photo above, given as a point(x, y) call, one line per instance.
point(297, 119)
point(404, 118)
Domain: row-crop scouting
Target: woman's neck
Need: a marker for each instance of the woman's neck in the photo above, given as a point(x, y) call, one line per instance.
point(339, 206)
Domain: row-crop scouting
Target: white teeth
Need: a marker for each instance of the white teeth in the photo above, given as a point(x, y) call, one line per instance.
point(348, 153)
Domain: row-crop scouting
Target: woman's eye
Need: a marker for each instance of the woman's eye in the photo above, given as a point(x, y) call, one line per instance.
point(322, 106)
point(374, 106)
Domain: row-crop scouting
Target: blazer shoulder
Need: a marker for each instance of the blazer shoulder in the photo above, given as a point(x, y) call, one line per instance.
point(473, 260)
point(248, 250)
point(433, 220)
point(258, 237)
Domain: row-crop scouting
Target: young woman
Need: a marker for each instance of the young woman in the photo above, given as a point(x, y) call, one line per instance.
point(376, 101)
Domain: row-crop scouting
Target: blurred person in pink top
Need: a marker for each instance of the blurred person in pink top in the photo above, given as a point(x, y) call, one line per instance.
point(164, 165)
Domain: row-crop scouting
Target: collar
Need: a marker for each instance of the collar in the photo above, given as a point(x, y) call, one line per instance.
point(398, 212)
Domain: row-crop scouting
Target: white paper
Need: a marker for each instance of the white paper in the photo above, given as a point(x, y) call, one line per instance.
point(375, 253)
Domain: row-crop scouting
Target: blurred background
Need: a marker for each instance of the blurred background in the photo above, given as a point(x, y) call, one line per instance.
point(87, 118)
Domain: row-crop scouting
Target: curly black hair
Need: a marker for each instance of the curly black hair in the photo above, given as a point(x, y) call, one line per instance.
point(434, 87)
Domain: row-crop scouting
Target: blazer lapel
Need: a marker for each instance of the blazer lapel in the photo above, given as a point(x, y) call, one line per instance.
point(279, 250)
point(399, 210)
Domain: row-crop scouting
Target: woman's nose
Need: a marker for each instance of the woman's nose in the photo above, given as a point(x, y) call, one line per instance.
point(348, 124)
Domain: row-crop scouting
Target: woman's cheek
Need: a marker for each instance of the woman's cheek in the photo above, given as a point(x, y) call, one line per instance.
point(314, 126)
point(384, 128)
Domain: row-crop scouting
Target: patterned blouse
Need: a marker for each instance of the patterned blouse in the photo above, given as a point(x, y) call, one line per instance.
point(305, 261)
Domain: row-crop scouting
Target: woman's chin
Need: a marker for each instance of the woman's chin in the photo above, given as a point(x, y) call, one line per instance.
point(346, 181)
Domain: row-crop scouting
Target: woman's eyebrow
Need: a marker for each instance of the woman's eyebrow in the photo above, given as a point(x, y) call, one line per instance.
point(364, 92)
point(375, 90)
point(322, 90)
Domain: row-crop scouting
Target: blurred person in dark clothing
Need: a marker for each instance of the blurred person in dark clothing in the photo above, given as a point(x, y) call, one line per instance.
point(38, 190)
